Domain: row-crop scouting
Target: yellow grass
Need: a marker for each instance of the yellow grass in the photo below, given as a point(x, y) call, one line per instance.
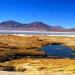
point(45, 66)
point(10, 44)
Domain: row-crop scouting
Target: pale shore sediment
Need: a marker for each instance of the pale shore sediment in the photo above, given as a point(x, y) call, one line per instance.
point(35, 73)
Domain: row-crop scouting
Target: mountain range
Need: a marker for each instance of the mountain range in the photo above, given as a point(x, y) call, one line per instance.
point(34, 26)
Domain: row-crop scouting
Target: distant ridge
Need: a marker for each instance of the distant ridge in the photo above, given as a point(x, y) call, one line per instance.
point(34, 26)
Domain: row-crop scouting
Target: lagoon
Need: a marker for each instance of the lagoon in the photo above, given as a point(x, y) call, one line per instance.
point(57, 51)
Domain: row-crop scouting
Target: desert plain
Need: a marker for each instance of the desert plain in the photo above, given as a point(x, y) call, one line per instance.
point(20, 55)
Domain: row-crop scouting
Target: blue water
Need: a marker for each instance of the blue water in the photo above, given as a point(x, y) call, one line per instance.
point(57, 50)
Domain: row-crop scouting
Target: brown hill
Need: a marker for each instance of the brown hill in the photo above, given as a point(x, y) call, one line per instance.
point(34, 26)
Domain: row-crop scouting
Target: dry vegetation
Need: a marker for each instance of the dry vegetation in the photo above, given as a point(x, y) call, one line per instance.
point(12, 46)
point(41, 66)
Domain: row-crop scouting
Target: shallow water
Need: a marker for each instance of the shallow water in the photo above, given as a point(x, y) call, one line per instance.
point(57, 50)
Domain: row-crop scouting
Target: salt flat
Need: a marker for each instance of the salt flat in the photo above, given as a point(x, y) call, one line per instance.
point(23, 33)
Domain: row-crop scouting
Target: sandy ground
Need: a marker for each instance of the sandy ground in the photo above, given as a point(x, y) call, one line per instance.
point(36, 73)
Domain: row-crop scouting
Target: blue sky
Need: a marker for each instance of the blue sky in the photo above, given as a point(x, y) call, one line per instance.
point(53, 12)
